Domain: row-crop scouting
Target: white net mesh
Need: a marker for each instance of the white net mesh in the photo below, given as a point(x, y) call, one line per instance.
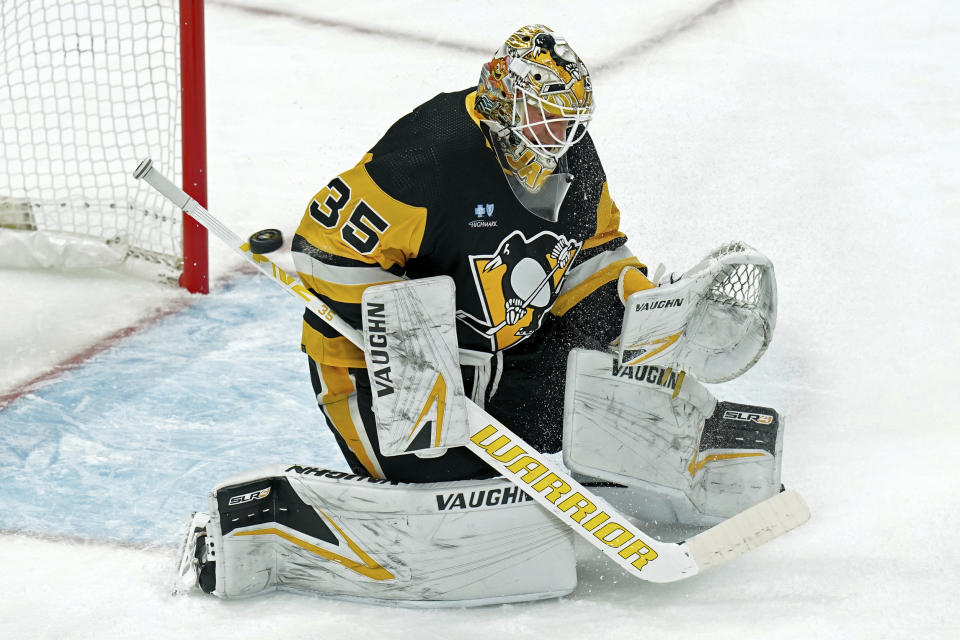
point(737, 285)
point(90, 87)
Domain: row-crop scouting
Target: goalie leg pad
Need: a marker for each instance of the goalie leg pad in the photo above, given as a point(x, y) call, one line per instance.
point(334, 534)
point(685, 456)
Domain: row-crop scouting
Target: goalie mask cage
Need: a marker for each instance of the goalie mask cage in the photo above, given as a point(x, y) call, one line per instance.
point(89, 87)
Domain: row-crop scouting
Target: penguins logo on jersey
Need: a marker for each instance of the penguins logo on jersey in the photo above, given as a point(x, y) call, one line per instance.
point(517, 284)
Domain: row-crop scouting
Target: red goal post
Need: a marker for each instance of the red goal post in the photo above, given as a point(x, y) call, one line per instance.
point(194, 277)
point(90, 86)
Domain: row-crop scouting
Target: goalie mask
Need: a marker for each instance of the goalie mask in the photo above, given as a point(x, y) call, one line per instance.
point(536, 98)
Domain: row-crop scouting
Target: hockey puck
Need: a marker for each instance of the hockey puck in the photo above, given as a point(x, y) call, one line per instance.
point(266, 240)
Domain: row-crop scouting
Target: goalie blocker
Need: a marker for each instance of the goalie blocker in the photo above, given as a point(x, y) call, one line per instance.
point(334, 534)
point(683, 455)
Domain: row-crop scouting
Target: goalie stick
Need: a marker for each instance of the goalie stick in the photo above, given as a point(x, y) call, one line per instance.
point(590, 516)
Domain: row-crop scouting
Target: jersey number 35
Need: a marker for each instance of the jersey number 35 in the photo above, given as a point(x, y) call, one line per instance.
point(362, 230)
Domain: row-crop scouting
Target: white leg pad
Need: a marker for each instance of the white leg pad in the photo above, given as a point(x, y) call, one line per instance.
point(333, 534)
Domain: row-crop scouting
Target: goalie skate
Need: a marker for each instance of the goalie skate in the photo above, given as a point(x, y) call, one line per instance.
point(196, 565)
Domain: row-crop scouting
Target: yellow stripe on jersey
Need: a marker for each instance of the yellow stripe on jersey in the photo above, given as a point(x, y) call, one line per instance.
point(352, 217)
point(336, 352)
point(609, 273)
point(339, 270)
point(340, 283)
point(350, 293)
point(608, 221)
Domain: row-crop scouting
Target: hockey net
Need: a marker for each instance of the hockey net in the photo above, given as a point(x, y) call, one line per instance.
point(90, 87)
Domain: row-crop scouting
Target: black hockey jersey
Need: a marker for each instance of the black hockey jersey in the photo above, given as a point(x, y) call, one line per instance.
point(430, 198)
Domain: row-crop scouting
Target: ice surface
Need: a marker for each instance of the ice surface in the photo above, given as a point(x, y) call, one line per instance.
point(824, 134)
point(125, 445)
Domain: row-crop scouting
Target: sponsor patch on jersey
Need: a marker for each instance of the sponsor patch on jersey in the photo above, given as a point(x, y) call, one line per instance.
point(483, 210)
point(483, 213)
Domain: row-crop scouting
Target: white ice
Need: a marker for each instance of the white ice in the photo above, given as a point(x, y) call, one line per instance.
point(826, 134)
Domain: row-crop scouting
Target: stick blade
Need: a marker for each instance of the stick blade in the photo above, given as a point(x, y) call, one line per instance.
point(748, 530)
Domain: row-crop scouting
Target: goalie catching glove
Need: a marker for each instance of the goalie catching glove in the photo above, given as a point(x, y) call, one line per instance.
point(714, 322)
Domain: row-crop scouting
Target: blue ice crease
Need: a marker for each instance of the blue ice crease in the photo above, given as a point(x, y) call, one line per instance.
point(125, 446)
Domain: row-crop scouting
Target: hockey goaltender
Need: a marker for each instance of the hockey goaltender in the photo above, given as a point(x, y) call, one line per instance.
point(480, 231)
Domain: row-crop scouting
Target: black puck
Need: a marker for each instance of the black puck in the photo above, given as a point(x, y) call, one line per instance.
point(266, 240)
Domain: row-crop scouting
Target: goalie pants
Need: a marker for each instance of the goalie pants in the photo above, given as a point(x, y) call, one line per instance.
point(523, 389)
point(345, 397)
point(346, 400)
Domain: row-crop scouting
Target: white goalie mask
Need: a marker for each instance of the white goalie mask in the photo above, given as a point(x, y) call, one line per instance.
point(536, 98)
